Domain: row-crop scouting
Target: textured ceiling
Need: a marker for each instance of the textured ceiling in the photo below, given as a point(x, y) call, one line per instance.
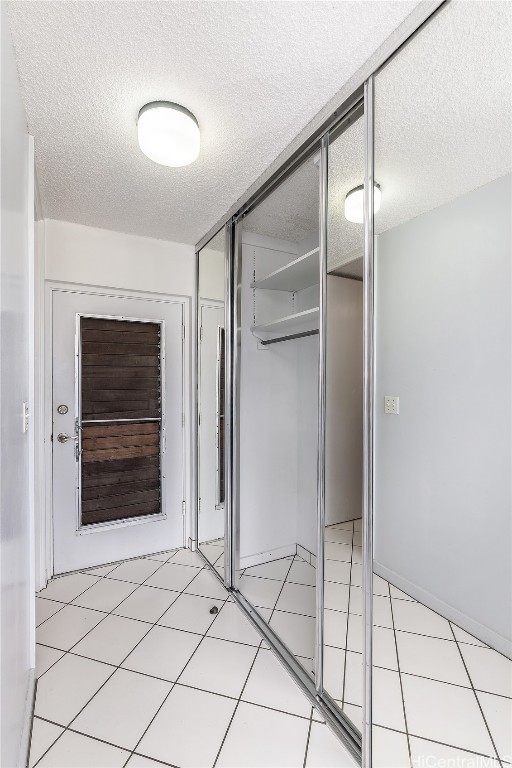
point(443, 127)
point(254, 74)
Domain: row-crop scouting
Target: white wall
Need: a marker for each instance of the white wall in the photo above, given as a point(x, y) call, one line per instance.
point(17, 650)
point(443, 493)
point(101, 257)
point(344, 401)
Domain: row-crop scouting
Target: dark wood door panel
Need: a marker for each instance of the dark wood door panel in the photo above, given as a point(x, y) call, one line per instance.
point(127, 326)
point(104, 430)
point(117, 486)
point(92, 381)
point(150, 409)
point(115, 395)
point(137, 468)
point(111, 454)
point(121, 513)
point(120, 379)
point(121, 500)
point(120, 347)
point(118, 441)
point(120, 337)
point(122, 358)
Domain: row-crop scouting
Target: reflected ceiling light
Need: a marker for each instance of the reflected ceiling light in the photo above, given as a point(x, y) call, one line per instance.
point(354, 203)
point(168, 134)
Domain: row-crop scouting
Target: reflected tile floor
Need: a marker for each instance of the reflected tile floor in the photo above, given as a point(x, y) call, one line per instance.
point(441, 697)
point(133, 670)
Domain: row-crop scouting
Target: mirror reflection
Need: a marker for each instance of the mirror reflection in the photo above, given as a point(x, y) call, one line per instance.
point(211, 365)
point(343, 603)
point(278, 410)
point(442, 675)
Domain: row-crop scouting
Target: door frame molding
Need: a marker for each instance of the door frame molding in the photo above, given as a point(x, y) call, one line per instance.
point(51, 287)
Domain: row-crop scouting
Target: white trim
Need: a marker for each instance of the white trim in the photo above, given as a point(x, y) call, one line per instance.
point(28, 717)
point(38, 412)
point(52, 286)
point(480, 631)
point(32, 374)
point(265, 557)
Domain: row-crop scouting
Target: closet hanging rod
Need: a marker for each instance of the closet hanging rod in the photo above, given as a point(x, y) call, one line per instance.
point(266, 342)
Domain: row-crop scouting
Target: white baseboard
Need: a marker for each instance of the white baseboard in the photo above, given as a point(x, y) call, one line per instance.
point(264, 557)
point(277, 554)
point(28, 717)
point(488, 636)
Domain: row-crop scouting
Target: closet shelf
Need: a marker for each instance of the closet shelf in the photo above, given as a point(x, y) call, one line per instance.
point(295, 276)
point(300, 322)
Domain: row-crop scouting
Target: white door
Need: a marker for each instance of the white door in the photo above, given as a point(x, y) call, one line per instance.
point(211, 507)
point(107, 504)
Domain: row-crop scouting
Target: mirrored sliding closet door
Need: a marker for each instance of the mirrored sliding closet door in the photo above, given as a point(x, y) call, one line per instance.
point(278, 409)
point(210, 394)
point(442, 674)
point(343, 603)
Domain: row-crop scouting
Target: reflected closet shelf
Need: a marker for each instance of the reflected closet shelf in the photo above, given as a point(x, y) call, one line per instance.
point(298, 274)
point(299, 322)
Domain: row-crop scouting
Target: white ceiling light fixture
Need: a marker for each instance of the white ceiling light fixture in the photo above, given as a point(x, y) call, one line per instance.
point(168, 134)
point(354, 203)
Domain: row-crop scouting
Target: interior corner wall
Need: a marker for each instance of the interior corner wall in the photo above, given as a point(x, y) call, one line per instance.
point(442, 467)
point(15, 521)
point(344, 400)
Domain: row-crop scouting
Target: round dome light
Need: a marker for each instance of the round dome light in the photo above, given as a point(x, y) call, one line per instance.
point(168, 134)
point(354, 203)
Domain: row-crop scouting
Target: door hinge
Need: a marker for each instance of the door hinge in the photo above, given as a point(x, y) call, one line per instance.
point(201, 333)
point(183, 332)
point(183, 508)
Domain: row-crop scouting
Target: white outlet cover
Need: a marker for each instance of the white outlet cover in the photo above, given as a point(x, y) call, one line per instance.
point(391, 405)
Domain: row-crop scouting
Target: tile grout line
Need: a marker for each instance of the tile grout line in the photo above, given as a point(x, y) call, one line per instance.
point(476, 696)
point(176, 682)
point(66, 652)
point(106, 614)
point(308, 738)
point(400, 676)
point(177, 594)
point(348, 622)
point(281, 590)
point(237, 704)
point(116, 668)
point(383, 727)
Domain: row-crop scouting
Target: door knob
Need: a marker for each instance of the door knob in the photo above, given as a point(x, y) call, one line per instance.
point(62, 437)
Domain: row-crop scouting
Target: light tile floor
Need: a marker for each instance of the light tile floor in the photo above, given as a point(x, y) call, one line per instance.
point(439, 693)
point(133, 670)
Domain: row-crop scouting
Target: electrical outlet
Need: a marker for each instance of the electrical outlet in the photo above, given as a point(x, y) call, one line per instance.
point(391, 404)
